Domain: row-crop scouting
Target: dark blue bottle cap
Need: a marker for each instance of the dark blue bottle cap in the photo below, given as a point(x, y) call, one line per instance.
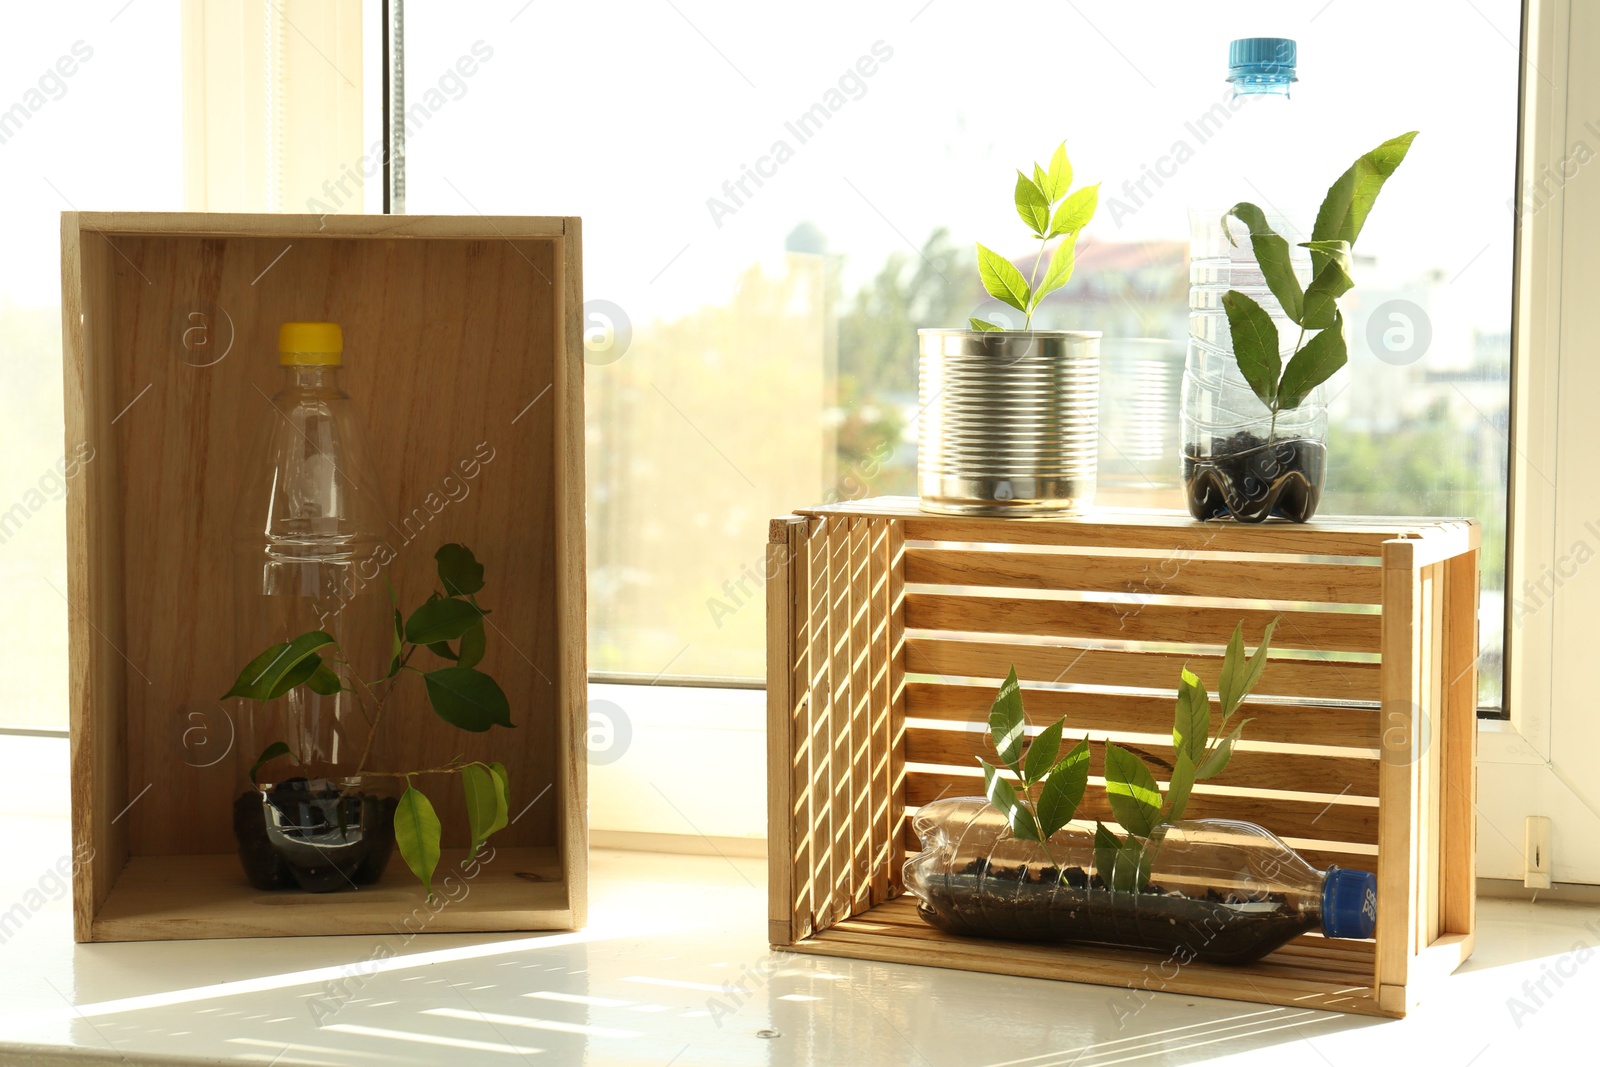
point(1349, 903)
point(1262, 58)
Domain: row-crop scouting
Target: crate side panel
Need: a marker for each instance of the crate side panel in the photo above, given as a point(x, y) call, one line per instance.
point(97, 671)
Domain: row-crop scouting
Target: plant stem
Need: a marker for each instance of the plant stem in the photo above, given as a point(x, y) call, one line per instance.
point(448, 768)
point(1027, 317)
point(377, 714)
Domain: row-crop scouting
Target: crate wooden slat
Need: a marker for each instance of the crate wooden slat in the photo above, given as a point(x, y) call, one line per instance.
point(1362, 752)
point(463, 343)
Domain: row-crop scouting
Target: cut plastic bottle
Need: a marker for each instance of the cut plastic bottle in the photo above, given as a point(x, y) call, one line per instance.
point(1216, 890)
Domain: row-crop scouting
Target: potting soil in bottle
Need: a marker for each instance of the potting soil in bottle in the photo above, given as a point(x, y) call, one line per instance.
point(1236, 459)
point(310, 549)
point(1215, 889)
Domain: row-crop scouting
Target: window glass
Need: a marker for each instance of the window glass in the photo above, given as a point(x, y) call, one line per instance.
point(72, 136)
point(775, 201)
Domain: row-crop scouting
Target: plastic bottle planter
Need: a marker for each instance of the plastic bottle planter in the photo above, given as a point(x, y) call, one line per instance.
point(319, 835)
point(1210, 889)
point(1237, 461)
point(1009, 421)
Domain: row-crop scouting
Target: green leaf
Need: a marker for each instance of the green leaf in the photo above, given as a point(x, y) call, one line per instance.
point(1060, 175)
point(1183, 774)
point(1042, 752)
point(1314, 364)
point(459, 570)
point(472, 646)
point(1002, 279)
point(1191, 720)
point(1075, 211)
point(416, 831)
point(1272, 253)
point(467, 698)
point(1132, 791)
point(280, 668)
point(502, 782)
point(1004, 797)
point(441, 620)
point(1106, 847)
point(1032, 205)
point(324, 681)
point(1230, 687)
point(1344, 210)
point(399, 640)
point(268, 754)
point(1214, 763)
point(443, 650)
point(1042, 180)
point(1255, 344)
point(1322, 295)
point(1007, 722)
point(486, 802)
point(1060, 269)
point(979, 324)
point(1254, 668)
point(1063, 789)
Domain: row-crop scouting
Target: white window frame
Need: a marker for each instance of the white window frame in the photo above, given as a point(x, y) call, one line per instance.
point(1535, 762)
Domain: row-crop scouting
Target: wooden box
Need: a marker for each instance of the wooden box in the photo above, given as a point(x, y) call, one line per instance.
point(889, 631)
point(464, 350)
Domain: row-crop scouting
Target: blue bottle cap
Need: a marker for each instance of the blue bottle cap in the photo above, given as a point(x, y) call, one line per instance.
point(1349, 903)
point(1262, 59)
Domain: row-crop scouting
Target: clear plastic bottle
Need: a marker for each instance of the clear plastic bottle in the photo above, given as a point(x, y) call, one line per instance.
point(310, 547)
point(1236, 459)
point(1216, 890)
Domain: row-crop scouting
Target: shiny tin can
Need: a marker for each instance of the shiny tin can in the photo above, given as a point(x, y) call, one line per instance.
point(1009, 421)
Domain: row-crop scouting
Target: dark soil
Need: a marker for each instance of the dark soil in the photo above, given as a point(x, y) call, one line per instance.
point(1244, 478)
point(320, 840)
point(1040, 906)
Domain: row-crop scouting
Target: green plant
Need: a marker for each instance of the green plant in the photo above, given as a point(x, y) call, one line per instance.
point(459, 693)
point(1316, 307)
point(1048, 211)
point(1131, 790)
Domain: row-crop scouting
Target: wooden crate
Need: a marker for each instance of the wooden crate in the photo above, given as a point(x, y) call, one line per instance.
point(889, 631)
point(463, 346)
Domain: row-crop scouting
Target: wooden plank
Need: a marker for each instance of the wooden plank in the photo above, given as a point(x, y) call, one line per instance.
point(1320, 631)
point(883, 844)
point(1169, 574)
point(840, 699)
point(1127, 528)
point(1397, 919)
point(97, 674)
point(571, 560)
point(311, 227)
point(161, 898)
point(1345, 726)
point(1248, 769)
point(1287, 816)
point(860, 719)
point(895, 546)
point(1457, 737)
point(1432, 705)
point(785, 722)
point(821, 740)
point(1100, 666)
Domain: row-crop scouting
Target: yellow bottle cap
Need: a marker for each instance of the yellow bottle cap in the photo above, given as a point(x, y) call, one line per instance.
point(310, 344)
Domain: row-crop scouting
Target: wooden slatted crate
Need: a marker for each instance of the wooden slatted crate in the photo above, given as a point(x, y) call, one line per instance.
point(889, 631)
point(464, 351)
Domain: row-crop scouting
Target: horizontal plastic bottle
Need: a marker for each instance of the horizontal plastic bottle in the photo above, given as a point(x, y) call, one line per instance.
point(1216, 890)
